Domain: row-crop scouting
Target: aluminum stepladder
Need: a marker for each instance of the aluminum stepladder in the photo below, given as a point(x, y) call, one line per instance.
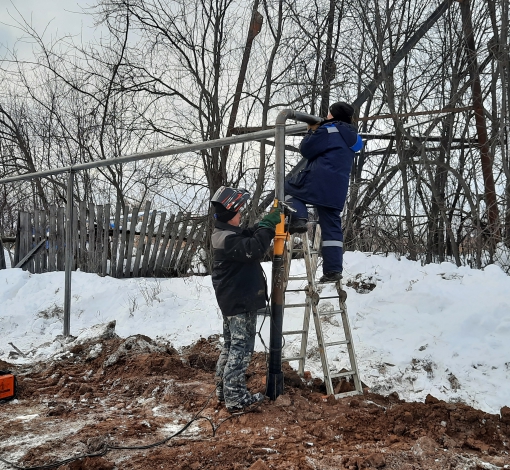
point(312, 306)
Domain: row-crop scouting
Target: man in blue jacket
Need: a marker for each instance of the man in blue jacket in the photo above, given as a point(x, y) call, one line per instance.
point(240, 287)
point(329, 149)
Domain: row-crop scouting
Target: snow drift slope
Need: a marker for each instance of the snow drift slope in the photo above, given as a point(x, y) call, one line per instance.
point(433, 329)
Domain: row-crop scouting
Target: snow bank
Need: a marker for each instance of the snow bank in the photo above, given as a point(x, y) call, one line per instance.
point(433, 329)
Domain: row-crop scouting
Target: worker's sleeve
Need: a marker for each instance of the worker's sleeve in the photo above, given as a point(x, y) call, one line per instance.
point(314, 143)
point(351, 137)
point(358, 145)
point(249, 249)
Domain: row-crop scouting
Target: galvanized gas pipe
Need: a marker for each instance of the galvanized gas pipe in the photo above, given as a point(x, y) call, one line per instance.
point(274, 380)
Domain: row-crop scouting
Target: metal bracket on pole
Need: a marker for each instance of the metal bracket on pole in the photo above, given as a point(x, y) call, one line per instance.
point(274, 380)
point(68, 254)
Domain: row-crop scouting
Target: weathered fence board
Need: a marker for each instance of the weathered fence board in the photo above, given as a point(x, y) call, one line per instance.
point(105, 247)
point(61, 214)
point(182, 262)
point(99, 239)
point(82, 258)
point(146, 255)
point(131, 241)
point(91, 231)
point(106, 240)
point(157, 242)
point(52, 239)
point(37, 239)
point(122, 249)
point(180, 241)
point(115, 240)
point(141, 239)
point(75, 235)
point(163, 266)
point(44, 264)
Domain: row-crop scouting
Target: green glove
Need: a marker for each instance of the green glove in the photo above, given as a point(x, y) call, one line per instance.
point(271, 220)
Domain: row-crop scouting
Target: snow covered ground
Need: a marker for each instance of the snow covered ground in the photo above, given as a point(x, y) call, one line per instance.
point(434, 329)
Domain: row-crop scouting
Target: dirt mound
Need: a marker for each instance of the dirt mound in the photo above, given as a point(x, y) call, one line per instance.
point(136, 392)
point(5, 365)
point(204, 353)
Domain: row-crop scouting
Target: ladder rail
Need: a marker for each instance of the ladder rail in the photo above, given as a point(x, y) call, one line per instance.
point(311, 253)
point(306, 317)
point(350, 345)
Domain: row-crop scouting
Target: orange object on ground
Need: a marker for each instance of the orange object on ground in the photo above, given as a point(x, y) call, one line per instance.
point(7, 386)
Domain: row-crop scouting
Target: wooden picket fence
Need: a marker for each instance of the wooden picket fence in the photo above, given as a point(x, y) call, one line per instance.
point(126, 243)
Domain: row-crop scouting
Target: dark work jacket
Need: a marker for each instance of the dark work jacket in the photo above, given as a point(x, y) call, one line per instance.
point(237, 277)
point(330, 152)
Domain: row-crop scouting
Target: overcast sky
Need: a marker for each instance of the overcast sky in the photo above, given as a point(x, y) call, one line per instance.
point(54, 18)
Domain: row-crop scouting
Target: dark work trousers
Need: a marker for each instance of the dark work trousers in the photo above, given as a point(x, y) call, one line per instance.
point(239, 335)
point(332, 235)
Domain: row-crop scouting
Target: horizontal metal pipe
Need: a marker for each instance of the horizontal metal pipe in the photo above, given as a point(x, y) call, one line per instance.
point(260, 135)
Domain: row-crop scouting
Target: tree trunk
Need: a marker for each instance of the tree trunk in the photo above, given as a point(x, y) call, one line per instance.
point(481, 127)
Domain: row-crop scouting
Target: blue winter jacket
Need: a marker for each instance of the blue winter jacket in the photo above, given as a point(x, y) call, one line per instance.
point(330, 152)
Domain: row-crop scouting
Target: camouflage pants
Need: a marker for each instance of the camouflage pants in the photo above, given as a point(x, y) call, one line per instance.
point(239, 335)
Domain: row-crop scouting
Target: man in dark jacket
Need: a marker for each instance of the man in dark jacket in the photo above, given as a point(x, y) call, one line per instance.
point(329, 148)
point(241, 290)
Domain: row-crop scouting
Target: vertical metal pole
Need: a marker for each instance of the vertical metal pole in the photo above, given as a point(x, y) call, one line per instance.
point(274, 381)
point(68, 254)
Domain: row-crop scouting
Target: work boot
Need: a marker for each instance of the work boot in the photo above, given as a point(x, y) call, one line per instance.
point(247, 403)
point(332, 276)
point(298, 226)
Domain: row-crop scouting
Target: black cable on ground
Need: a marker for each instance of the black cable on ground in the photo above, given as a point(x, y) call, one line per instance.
point(105, 448)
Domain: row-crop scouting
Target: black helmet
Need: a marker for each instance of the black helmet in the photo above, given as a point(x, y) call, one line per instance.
point(229, 199)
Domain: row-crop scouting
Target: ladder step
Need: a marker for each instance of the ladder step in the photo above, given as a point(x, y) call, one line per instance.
point(341, 374)
point(294, 305)
point(297, 278)
point(334, 312)
point(295, 290)
point(329, 297)
point(293, 332)
point(336, 343)
point(296, 358)
point(300, 250)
